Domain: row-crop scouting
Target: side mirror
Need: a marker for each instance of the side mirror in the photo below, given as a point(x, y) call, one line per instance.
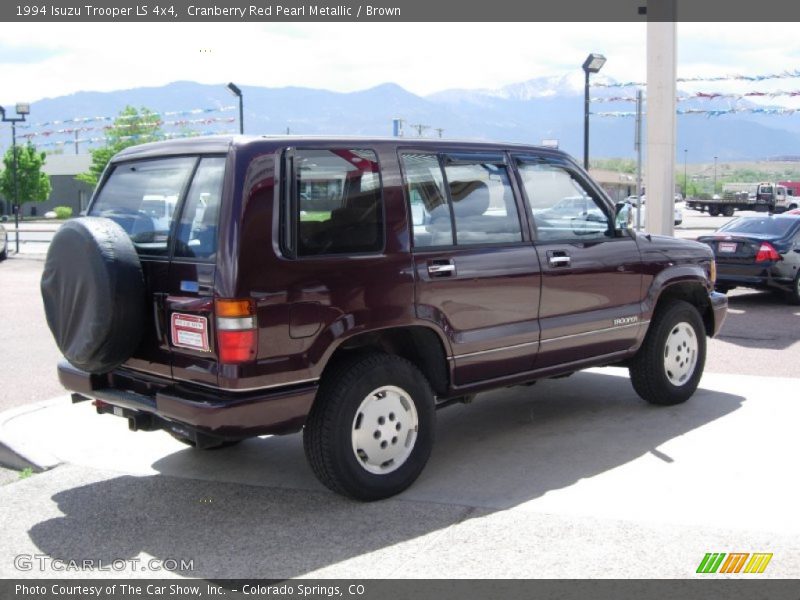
point(623, 218)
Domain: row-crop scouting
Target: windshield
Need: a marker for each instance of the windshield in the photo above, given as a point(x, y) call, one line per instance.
point(775, 226)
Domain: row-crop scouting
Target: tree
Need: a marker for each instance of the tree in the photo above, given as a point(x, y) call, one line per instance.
point(32, 184)
point(132, 126)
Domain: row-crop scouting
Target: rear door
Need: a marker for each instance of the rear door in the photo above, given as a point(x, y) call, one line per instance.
point(169, 207)
point(189, 301)
point(477, 275)
point(591, 276)
point(128, 196)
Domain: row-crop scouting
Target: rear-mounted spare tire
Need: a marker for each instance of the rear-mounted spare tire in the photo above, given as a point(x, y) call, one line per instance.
point(94, 294)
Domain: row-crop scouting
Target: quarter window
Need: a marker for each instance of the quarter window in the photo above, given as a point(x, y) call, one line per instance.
point(337, 202)
point(562, 208)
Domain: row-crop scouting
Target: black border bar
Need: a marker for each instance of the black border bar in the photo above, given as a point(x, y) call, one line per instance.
point(712, 587)
point(497, 11)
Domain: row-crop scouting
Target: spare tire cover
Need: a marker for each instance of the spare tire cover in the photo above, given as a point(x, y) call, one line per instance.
point(94, 294)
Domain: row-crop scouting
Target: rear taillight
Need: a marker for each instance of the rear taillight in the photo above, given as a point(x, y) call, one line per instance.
point(767, 253)
point(237, 330)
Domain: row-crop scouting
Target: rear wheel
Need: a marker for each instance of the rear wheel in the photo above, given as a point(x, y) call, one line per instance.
point(727, 211)
point(371, 429)
point(668, 366)
point(713, 211)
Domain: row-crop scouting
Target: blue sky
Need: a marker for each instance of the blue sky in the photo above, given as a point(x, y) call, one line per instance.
point(49, 59)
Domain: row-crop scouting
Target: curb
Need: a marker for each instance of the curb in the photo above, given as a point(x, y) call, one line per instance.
point(17, 453)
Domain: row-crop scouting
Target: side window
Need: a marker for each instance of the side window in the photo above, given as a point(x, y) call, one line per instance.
point(337, 202)
point(483, 203)
point(430, 212)
point(197, 229)
point(562, 209)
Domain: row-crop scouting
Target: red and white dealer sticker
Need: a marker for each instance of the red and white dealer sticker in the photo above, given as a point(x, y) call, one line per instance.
point(190, 331)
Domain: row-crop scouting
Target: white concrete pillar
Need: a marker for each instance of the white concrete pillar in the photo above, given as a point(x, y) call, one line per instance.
point(661, 74)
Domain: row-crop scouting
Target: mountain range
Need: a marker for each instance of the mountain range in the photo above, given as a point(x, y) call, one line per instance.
point(529, 112)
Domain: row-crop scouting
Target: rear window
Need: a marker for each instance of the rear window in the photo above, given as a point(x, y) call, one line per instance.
point(773, 226)
point(144, 198)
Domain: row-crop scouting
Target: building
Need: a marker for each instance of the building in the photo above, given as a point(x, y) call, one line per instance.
point(617, 185)
point(66, 190)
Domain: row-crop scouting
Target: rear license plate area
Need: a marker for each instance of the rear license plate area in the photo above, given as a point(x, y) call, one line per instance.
point(727, 247)
point(190, 331)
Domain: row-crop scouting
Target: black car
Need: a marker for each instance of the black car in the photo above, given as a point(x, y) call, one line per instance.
point(758, 252)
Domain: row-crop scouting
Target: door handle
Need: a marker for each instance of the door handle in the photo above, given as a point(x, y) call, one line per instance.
point(442, 269)
point(559, 261)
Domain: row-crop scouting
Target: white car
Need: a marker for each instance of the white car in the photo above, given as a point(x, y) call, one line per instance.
point(634, 202)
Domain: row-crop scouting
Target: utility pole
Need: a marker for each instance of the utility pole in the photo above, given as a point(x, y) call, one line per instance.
point(714, 191)
point(440, 131)
point(420, 128)
point(685, 180)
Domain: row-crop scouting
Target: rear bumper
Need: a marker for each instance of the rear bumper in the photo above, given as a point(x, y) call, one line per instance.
point(719, 306)
point(190, 409)
point(756, 276)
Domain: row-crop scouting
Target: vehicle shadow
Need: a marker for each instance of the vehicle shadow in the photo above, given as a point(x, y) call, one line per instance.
point(761, 320)
point(256, 511)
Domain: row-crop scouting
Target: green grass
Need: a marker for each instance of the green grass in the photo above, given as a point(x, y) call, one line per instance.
point(25, 473)
point(319, 215)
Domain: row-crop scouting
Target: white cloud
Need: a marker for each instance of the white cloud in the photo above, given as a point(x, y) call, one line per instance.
point(422, 57)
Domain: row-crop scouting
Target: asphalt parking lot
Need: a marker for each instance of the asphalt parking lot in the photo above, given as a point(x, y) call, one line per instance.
point(573, 477)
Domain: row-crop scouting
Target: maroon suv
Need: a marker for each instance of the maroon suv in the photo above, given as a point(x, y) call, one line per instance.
point(223, 288)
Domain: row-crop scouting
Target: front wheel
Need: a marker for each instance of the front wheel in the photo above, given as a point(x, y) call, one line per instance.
point(371, 429)
point(668, 366)
point(727, 211)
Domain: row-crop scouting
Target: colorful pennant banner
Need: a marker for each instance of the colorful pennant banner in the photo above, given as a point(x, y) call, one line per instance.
point(781, 75)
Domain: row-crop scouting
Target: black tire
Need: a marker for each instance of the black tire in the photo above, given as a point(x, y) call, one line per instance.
point(713, 211)
point(4, 254)
point(94, 294)
point(648, 368)
point(723, 289)
point(794, 295)
point(727, 211)
point(332, 426)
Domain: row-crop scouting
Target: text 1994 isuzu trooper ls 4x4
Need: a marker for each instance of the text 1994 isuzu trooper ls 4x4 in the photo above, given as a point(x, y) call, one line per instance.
point(228, 287)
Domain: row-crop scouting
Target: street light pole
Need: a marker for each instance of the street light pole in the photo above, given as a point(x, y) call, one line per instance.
point(592, 64)
point(22, 110)
point(236, 91)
